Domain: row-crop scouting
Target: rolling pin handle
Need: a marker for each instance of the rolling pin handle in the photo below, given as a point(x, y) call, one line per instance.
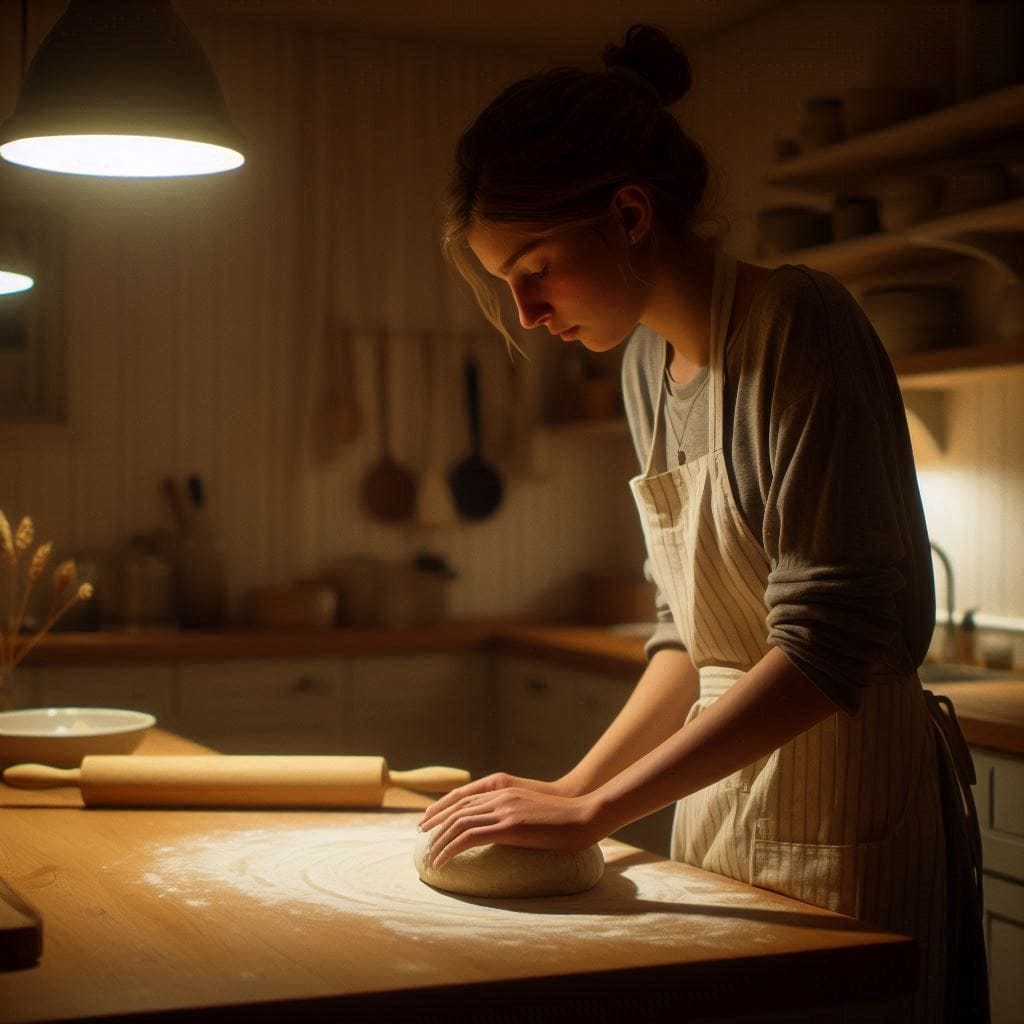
point(434, 779)
point(41, 776)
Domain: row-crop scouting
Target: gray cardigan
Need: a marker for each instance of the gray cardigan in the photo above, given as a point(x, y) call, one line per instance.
point(821, 465)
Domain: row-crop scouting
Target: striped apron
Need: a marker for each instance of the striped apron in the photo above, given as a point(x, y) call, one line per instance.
point(846, 816)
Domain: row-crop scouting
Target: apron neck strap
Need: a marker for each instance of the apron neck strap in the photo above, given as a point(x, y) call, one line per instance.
point(723, 290)
point(722, 294)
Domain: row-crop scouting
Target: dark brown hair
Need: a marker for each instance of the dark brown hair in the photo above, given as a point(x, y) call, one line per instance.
point(550, 151)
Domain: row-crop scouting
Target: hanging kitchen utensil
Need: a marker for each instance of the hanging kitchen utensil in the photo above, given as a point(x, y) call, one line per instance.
point(434, 507)
point(475, 484)
point(336, 420)
point(233, 780)
point(389, 488)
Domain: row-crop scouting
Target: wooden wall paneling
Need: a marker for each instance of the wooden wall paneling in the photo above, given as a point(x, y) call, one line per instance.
point(287, 349)
point(249, 277)
point(990, 569)
point(1011, 431)
point(93, 407)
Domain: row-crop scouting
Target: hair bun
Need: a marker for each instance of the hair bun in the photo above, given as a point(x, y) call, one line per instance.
point(649, 53)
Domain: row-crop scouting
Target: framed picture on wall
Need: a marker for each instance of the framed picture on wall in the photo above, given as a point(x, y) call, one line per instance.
point(32, 349)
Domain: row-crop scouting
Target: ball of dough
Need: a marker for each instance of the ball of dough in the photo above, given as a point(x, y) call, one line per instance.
point(506, 871)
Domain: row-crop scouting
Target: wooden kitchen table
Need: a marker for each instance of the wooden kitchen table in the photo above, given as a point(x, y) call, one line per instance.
point(284, 915)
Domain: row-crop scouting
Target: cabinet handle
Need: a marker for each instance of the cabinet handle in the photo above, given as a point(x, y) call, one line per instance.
point(309, 684)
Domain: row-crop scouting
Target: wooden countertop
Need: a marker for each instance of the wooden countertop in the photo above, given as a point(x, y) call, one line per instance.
point(584, 646)
point(164, 645)
point(991, 713)
point(216, 914)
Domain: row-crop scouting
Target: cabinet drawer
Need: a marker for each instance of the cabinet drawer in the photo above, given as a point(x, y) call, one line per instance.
point(1004, 937)
point(999, 795)
point(596, 700)
point(549, 717)
point(136, 687)
point(420, 709)
point(533, 710)
point(263, 707)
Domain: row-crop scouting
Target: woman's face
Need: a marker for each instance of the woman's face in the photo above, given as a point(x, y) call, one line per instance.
point(578, 283)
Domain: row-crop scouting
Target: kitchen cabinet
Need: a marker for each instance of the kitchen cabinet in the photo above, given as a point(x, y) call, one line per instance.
point(999, 795)
point(987, 129)
point(279, 706)
point(421, 709)
point(411, 709)
point(139, 687)
point(548, 717)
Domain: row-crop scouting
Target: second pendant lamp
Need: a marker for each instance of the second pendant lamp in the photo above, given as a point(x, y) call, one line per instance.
point(121, 88)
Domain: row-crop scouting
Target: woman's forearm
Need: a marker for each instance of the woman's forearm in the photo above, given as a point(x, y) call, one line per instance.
point(767, 707)
point(655, 710)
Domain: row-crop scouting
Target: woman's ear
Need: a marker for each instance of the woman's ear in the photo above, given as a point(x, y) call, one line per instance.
point(631, 207)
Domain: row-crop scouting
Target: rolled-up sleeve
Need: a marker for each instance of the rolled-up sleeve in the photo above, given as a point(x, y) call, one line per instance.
point(839, 520)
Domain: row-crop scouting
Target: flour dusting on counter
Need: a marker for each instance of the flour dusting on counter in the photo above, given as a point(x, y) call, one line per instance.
point(366, 870)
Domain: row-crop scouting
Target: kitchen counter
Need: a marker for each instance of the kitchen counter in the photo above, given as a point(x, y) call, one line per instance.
point(593, 647)
point(991, 713)
point(233, 914)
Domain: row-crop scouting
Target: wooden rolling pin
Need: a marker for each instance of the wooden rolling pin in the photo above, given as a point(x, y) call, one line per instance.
point(233, 780)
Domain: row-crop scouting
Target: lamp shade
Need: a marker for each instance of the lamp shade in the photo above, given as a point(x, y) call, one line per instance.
point(121, 88)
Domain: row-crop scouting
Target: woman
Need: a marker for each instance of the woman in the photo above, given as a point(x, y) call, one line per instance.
point(780, 707)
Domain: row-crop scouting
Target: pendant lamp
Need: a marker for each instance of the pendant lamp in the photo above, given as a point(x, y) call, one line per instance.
point(121, 88)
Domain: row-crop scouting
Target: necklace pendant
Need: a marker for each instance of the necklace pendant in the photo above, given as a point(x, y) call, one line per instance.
point(682, 456)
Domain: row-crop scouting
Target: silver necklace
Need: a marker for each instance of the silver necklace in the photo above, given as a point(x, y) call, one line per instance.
point(678, 438)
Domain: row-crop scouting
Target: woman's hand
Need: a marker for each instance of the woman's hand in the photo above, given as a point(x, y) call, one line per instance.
point(511, 811)
point(488, 784)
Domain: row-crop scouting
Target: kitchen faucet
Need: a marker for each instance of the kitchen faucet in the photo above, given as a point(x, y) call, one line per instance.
point(949, 642)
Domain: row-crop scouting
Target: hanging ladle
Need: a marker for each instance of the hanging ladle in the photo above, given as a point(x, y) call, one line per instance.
point(389, 488)
point(475, 484)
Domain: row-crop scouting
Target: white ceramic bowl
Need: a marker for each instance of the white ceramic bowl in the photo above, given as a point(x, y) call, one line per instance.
point(63, 736)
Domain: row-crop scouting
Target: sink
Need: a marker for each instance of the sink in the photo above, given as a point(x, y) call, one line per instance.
point(951, 673)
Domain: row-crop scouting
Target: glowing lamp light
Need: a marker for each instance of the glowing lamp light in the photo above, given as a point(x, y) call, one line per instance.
point(121, 156)
point(11, 282)
point(121, 88)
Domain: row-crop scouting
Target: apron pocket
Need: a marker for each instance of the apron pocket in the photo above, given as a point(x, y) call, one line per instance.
point(878, 881)
point(825, 876)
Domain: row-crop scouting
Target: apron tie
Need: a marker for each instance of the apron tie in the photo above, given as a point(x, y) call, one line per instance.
point(967, 996)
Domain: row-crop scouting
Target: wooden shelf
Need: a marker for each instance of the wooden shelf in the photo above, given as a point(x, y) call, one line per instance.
point(945, 367)
point(994, 120)
point(893, 249)
point(989, 124)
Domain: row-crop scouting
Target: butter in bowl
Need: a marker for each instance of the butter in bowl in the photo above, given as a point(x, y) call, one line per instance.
point(61, 737)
